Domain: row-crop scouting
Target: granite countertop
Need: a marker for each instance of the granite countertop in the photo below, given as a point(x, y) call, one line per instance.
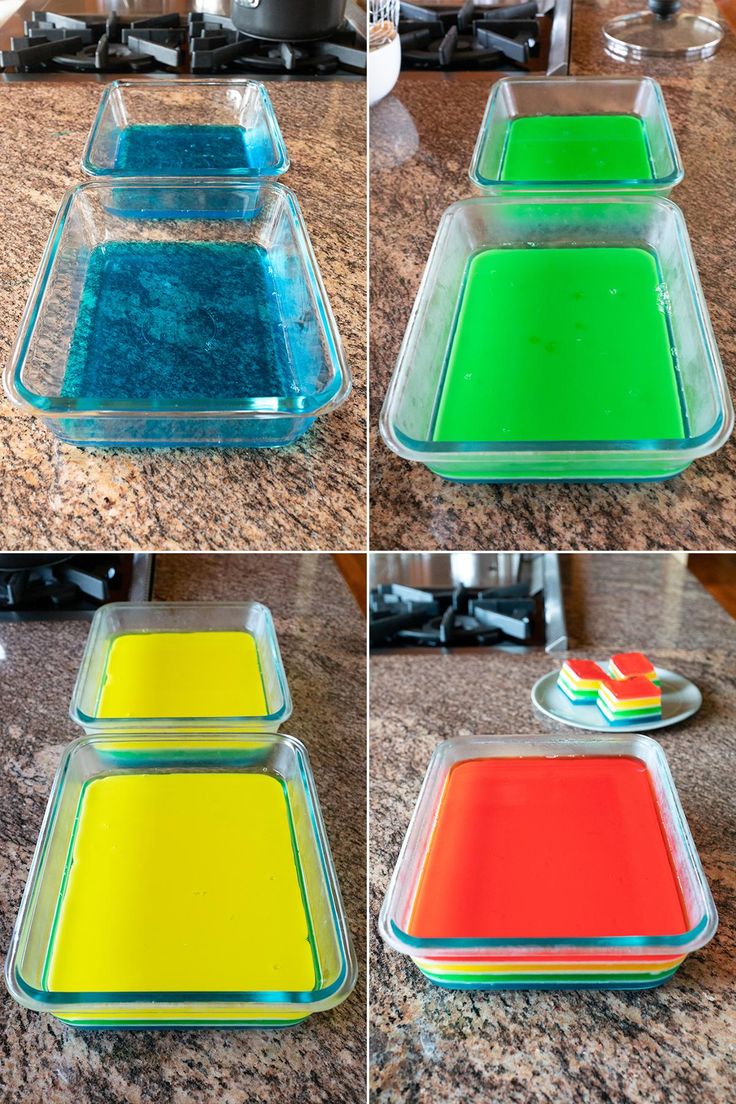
point(323, 1059)
point(309, 495)
point(422, 138)
point(671, 1045)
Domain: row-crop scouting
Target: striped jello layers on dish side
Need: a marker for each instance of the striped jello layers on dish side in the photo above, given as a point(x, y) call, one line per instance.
point(521, 973)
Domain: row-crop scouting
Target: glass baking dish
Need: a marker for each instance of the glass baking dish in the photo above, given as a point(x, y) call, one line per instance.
point(42, 934)
point(624, 960)
point(603, 98)
point(193, 128)
point(180, 666)
point(639, 225)
point(168, 313)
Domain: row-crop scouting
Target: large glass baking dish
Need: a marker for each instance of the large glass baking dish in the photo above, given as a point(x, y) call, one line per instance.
point(95, 757)
point(178, 313)
point(473, 226)
point(621, 961)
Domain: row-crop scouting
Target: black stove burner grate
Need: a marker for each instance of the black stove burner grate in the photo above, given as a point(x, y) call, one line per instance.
point(463, 616)
point(205, 43)
point(93, 43)
point(41, 586)
point(471, 38)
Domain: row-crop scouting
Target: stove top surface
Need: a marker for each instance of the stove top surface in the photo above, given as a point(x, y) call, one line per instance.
point(73, 39)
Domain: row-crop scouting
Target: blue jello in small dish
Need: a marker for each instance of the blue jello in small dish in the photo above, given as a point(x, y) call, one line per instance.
point(173, 128)
point(167, 150)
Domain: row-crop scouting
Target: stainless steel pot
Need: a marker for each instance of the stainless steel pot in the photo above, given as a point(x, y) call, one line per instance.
point(288, 20)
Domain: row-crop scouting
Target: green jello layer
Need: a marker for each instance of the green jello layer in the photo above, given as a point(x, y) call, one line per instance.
point(590, 360)
point(631, 712)
point(560, 979)
point(576, 147)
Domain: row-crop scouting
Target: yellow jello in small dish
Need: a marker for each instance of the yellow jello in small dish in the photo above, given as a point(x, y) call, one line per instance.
point(182, 674)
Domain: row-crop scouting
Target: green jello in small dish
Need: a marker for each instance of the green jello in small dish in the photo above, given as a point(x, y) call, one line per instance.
point(576, 147)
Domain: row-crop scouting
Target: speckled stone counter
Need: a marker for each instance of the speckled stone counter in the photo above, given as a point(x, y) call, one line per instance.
point(422, 138)
point(672, 1045)
point(309, 495)
point(322, 1060)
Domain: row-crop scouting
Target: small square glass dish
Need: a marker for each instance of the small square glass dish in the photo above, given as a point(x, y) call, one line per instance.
point(558, 339)
point(192, 128)
point(178, 313)
point(560, 134)
point(199, 665)
point(182, 881)
point(547, 863)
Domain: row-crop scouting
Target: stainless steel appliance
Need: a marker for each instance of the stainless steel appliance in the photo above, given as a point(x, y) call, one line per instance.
point(506, 600)
point(288, 20)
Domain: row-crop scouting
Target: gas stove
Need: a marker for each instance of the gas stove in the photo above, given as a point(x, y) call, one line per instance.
point(531, 36)
point(43, 586)
point(508, 601)
point(106, 39)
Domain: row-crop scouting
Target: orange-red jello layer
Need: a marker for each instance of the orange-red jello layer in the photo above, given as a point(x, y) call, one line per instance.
point(543, 847)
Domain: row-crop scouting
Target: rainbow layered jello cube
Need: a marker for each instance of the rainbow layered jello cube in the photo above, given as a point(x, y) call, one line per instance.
point(580, 680)
point(629, 701)
point(632, 665)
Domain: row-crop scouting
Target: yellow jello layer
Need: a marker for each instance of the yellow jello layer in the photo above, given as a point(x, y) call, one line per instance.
point(175, 674)
point(182, 882)
point(616, 704)
point(579, 684)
